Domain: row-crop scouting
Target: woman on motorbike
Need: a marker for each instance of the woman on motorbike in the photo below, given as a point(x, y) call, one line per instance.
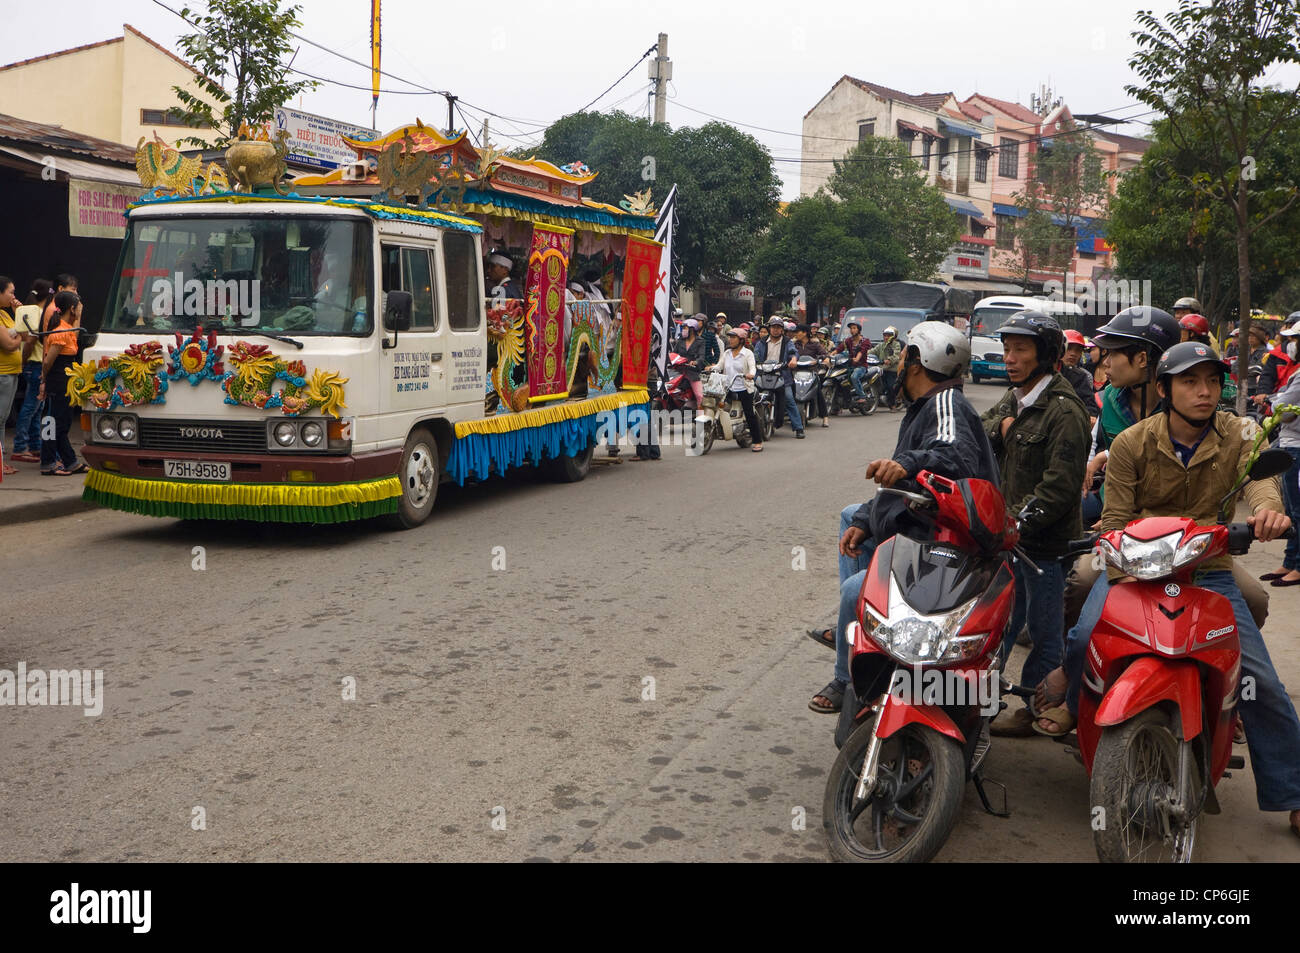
point(691, 346)
point(738, 369)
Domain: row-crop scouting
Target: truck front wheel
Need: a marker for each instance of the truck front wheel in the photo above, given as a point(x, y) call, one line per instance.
point(419, 477)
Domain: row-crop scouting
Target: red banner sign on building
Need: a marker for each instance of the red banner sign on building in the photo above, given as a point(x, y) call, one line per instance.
point(548, 270)
point(640, 271)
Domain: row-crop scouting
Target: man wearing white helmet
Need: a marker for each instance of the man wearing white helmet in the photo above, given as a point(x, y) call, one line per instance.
point(940, 432)
point(889, 350)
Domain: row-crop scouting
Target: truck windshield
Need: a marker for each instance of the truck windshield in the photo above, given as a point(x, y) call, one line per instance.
point(875, 320)
point(305, 275)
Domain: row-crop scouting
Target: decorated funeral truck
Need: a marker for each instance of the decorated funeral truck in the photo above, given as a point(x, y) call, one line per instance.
point(334, 352)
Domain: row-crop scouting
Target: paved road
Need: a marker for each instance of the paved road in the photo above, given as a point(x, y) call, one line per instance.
point(484, 694)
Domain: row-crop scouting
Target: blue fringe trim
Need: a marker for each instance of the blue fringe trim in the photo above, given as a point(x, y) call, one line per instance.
point(481, 455)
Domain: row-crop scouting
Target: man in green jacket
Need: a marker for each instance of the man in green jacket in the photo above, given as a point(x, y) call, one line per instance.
point(889, 350)
point(1039, 432)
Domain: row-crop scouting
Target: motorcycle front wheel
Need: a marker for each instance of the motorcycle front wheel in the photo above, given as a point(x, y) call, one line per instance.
point(1134, 777)
point(764, 414)
point(914, 807)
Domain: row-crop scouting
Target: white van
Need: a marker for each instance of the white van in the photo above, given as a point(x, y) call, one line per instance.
point(989, 315)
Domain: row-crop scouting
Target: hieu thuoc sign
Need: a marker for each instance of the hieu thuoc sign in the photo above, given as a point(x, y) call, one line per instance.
point(317, 141)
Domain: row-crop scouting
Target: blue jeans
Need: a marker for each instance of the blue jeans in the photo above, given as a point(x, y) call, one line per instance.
point(1041, 601)
point(1092, 507)
point(856, 380)
point(789, 405)
point(1291, 495)
point(27, 433)
point(1272, 728)
point(852, 572)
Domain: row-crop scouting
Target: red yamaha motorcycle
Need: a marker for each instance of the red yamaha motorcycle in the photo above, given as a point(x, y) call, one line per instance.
point(925, 665)
point(1160, 684)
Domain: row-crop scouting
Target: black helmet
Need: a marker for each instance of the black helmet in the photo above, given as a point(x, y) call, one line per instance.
point(1046, 333)
point(1180, 357)
point(853, 323)
point(1149, 327)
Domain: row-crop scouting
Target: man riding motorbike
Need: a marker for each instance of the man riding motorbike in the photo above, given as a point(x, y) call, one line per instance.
point(780, 349)
point(1195, 328)
point(888, 351)
point(814, 346)
point(1073, 372)
point(1182, 462)
point(940, 432)
point(858, 348)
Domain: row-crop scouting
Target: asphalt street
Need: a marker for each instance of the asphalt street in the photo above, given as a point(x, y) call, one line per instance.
point(502, 657)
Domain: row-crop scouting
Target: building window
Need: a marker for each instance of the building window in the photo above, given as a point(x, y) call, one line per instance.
point(925, 152)
point(1005, 224)
point(159, 117)
point(981, 165)
point(1008, 158)
point(866, 129)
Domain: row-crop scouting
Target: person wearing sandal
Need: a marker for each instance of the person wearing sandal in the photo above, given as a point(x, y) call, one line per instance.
point(1192, 445)
point(57, 456)
point(738, 368)
point(1289, 440)
point(941, 432)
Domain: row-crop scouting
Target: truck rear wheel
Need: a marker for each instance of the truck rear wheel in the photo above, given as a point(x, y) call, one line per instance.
point(570, 469)
point(419, 475)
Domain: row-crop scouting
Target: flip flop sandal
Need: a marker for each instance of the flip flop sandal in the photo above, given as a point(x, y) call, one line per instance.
point(1059, 716)
point(57, 471)
point(10, 471)
point(833, 693)
point(1238, 734)
point(758, 449)
point(820, 637)
point(79, 468)
point(1050, 699)
point(26, 456)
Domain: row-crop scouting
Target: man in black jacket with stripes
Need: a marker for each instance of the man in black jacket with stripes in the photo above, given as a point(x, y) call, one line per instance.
point(940, 432)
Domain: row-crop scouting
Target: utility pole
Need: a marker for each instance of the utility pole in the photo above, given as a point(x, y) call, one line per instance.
point(451, 121)
point(661, 71)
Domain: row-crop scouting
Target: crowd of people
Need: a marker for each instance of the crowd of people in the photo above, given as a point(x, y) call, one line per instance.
point(1158, 444)
point(39, 341)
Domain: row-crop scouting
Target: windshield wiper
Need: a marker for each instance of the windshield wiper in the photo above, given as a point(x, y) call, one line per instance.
point(266, 334)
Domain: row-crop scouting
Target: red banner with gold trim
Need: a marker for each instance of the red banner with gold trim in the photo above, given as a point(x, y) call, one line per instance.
point(640, 271)
point(548, 271)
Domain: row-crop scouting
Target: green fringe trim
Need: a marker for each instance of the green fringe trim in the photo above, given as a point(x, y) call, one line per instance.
point(340, 513)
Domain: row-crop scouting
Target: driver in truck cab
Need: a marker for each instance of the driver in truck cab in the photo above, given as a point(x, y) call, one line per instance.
point(1183, 462)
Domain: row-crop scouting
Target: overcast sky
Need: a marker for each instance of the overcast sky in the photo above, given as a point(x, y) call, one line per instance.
point(758, 63)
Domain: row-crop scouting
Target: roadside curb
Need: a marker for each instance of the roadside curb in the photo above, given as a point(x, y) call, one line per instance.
point(33, 510)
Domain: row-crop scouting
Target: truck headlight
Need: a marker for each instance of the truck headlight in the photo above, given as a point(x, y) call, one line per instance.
point(312, 434)
point(285, 433)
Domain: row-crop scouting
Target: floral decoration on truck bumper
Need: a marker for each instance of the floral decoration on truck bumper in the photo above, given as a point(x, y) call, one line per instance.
point(134, 377)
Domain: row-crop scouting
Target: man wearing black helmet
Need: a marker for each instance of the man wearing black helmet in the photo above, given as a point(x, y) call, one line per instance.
point(858, 348)
point(1039, 432)
point(1182, 463)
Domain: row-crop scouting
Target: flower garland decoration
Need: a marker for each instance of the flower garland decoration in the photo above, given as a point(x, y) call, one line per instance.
point(127, 380)
point(197, 360)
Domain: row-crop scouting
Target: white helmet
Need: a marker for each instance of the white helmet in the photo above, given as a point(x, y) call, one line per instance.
point(943, 349)
point(890, 330)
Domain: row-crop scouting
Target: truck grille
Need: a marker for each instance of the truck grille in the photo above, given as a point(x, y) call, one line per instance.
point(236, 436)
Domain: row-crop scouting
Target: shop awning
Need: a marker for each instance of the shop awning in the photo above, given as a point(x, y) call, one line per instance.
point(959, 128)
point(962, 207)
point(79, 168)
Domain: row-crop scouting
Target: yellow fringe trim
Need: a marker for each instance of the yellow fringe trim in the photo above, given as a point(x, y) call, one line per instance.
point(243, 494)
point(359, 204)
point(552, 415)
point(558, 220)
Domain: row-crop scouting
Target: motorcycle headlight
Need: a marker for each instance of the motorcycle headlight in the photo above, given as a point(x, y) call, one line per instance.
point(914, 638)
point(1153, 558)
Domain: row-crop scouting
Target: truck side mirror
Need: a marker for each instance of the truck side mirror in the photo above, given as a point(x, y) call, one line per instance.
point(397, 314)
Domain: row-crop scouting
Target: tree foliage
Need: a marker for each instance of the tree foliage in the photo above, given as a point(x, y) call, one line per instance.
point(876, 220)
point(243, 45)
point(1203, 67)
point(1162, 228)
point(727, 189)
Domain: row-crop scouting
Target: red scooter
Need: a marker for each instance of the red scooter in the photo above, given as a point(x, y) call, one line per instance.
point(925, 664)
point(1160, 684)
point(677, 393)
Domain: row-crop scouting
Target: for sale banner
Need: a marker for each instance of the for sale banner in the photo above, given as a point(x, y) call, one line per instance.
point(548, 270)
point(98, 209)
point(640, 272)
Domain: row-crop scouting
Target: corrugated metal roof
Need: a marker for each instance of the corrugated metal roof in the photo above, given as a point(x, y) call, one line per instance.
point(80, 168)
point(24, 133)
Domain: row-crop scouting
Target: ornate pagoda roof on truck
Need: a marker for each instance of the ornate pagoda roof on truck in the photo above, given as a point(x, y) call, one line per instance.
point(483, 181)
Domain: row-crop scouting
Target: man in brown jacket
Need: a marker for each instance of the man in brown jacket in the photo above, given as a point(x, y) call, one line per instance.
point(1182, 463)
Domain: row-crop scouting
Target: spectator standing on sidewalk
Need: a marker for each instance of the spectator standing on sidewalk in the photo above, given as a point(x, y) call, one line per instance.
point(57, 456)
point(11, 357)
point(27, 433)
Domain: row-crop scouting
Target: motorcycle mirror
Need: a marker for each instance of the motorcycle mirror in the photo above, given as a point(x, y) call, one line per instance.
point(1270, 463)
point(1031, 504)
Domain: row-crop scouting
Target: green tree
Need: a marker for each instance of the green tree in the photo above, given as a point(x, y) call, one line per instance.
point(882, 173)
point(727, 189)
point(243, 44)
point(828, 248)
point(1203, 69)
point(1165, 230)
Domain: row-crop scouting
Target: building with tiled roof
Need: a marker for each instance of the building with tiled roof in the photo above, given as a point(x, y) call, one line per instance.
point(119, 89)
